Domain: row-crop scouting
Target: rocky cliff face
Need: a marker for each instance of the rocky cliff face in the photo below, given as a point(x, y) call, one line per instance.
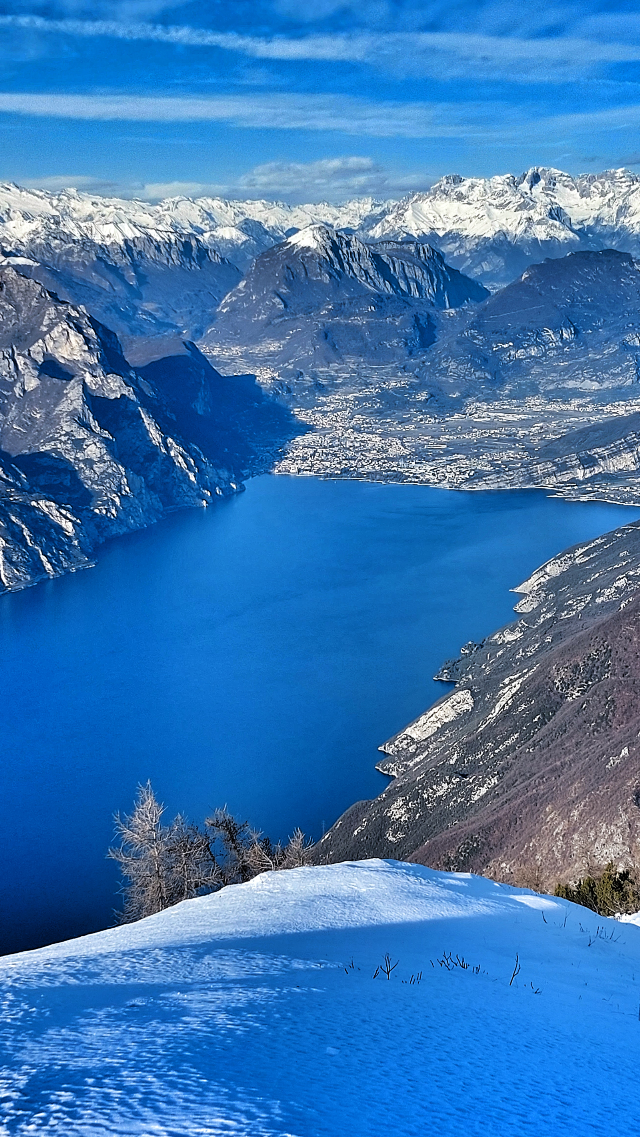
point(156, 285)
point(323, 296)
point(529, 770)
point(89, 448)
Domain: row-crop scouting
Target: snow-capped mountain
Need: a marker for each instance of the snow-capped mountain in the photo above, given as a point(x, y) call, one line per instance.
point(494, 227)
point(376, 998)
point(163, 268)
point(238, 229)
point(148, 269)
point(323, 294)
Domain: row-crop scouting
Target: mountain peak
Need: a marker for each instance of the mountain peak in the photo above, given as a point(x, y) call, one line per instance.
point(312, 237)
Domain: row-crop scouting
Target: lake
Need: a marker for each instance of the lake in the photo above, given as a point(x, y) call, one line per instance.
point(255, 655)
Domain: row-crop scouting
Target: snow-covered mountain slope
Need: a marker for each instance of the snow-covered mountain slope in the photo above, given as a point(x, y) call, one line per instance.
point(160, 268)
point(255, 1012)
point(494, 227)
point(240, 228)
point(323, 295)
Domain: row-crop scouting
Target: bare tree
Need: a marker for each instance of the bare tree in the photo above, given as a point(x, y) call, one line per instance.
point(297, 852)
point(164, 864)
point(193, 866)
point(160, 864)
point(143, 857)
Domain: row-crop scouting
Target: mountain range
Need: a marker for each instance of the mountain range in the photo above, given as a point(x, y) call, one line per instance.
point(160, 268)
point(147, 269)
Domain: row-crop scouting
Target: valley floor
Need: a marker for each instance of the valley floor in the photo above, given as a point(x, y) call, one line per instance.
point(256, 1012)
point(381, 423)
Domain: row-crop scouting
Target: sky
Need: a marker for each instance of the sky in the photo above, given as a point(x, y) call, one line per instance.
point(307, 100)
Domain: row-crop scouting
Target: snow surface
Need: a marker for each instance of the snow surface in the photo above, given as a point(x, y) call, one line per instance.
point(254, 1012)
point(311, 237)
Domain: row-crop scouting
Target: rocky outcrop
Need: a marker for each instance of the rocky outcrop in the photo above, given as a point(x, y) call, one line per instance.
point(529, 770)
point(90, 448)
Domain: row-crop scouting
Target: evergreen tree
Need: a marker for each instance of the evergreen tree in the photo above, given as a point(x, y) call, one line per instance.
point(610, 894)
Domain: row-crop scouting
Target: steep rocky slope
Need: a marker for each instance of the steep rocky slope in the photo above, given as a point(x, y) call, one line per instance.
point(570, 325)
point(89, 448)
point(324, 296)
point(530, 769)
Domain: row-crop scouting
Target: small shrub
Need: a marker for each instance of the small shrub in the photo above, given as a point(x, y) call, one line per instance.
point(610, 894)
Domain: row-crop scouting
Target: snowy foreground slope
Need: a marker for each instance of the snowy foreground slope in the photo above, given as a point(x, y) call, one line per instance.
point(254, 1011)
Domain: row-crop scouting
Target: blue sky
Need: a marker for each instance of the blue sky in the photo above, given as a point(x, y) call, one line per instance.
point(310, 99)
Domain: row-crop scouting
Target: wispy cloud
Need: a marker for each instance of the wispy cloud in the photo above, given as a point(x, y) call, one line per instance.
point(287, 111)
point(492, 123)
point(442, 55)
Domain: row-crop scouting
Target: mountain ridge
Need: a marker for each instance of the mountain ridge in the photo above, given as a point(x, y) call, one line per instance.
point(90, 448)
point(496, 225)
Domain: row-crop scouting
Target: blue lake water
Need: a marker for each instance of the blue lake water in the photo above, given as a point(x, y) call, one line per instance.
point(255, 655)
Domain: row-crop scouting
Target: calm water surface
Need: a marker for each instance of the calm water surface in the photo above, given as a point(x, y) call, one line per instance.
point(255, 654)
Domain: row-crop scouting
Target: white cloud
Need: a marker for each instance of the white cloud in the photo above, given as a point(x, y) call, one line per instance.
point(440, 55)
point(156, 191)
point(84, 182)
point(333, 179)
